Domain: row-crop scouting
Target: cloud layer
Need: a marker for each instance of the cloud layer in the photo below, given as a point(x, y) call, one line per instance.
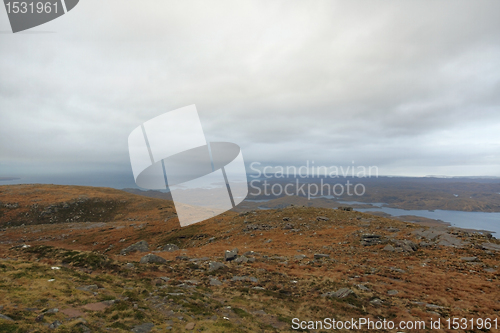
point(412, 87)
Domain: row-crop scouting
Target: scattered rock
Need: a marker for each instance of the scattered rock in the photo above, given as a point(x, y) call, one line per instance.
point(231, 255)
point(376, 301)
point(370, 239)
point(129, 265)
point(141, 246)
point(341, 293)
point(4, 317)
point(190, 326)
point(214, 265)
point(257, 226)
point(362, 287)
point(392, 292)
point(215, 282)
point(347, 209)
point(288, 226)
point(300, 256)
point(286, 219)
point(55, 325)
point(389, 248)
point(143, 328)
point(170, 248)
point(241, 260)
point(152, 259)
point(404, 245)
point(322, 218)
point(39, 318)
point(490, 246)
point(469, 259)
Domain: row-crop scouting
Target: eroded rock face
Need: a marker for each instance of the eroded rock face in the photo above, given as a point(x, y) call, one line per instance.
point(152, 259)
point(141, 246)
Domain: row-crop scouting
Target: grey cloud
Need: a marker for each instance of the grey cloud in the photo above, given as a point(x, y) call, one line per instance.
point(397, 84)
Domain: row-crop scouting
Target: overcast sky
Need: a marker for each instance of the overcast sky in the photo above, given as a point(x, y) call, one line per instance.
point(412, 87)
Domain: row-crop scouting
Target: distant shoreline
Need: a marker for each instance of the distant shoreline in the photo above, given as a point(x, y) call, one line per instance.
point(4, 179)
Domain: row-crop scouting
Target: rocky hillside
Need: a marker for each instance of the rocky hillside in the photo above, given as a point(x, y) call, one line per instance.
point(46, 204)
point(247, 272)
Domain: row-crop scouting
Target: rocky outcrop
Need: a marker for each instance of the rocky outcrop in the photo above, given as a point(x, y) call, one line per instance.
point(141, 246)
point(152, 259)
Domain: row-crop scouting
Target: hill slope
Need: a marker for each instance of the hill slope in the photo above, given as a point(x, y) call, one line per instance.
point(295, 262)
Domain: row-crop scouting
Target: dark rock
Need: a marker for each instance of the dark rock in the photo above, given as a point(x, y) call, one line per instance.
point(231, 255)
point(141, 246)
point(321, 255)
point(370, 239)
point(182, 257)
point(152, 259)
point(347, 209)
point(406, 245)
point(170, 248)
point(143, 328)
point(322, 218)
point(286, 219)
point(39, 318)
